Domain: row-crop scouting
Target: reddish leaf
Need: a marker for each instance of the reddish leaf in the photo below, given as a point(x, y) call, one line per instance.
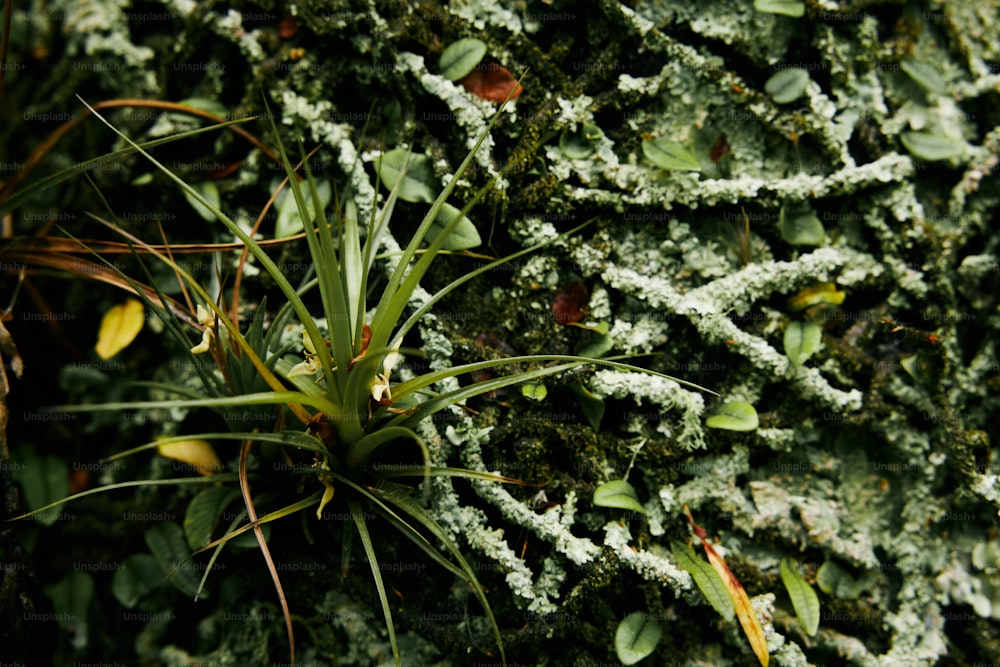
point(492, 83)
point(79, 480)
point(287, 27)
point(570, 304)
point(719, 150)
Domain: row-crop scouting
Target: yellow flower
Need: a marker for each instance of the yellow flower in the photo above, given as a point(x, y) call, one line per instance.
point(207, 319)
point(312, 364)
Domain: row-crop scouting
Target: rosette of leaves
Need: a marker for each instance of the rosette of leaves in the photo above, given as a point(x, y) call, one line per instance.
point(334, 409)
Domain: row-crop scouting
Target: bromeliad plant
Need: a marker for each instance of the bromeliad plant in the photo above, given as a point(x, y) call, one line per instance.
point(340, 390)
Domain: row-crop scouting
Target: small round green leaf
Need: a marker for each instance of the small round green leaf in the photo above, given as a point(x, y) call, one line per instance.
point(45, 480)
point(801, 340)
point(619, 494)
point(734, 416)
point(804, 598)
point(579, 145)
point(787, 85)
point(800, 226)
point(420, 184)
point(793, 8)
point(464, 235)
point(924, 75)
point(139, 574)
point(932, 147)
point(461, 58)
point(636, 637)
point(667, 154)
point(536, 392)
point(835, 580)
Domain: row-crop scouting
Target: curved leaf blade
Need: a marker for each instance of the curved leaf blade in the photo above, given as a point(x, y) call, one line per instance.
point(923, 75)
point(932, 147)
point(419, 182)
point(800, 226)
point(210, 192)
point(734, 416)
point(667, 154)
point(618, 494)
point(462, 236)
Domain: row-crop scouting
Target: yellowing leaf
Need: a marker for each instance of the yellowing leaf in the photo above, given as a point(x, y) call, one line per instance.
point(119, 327)
point(196, 453)
point(816, 294)
point(741, 601)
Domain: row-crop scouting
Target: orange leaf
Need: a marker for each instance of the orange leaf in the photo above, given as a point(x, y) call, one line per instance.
point(492, 83)
point(287, 27)
point(741, 601)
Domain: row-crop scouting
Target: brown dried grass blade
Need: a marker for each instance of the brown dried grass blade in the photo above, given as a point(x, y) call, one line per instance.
point(264, 550)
